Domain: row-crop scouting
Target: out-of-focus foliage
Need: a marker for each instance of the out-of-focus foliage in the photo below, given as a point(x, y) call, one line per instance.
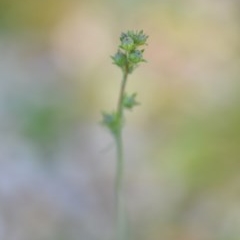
point(31, 15)
point(182, 145)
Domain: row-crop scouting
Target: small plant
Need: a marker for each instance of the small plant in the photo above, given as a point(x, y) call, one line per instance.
point(128, 56)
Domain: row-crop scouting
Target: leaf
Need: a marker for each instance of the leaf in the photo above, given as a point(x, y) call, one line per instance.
point(130, 101)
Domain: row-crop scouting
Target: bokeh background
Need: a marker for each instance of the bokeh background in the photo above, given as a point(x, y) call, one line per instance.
point(182, 145)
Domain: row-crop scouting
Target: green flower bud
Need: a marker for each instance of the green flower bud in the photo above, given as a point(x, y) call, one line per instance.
point(136, 56)
point(127, 43)
point(139, 38)
point(129, 101)
point(119, 59)
point(111, 121)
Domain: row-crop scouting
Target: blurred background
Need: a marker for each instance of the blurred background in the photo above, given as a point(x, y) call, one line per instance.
point(182, 145)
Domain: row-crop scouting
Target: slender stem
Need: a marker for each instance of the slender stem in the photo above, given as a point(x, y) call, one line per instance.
point(120, 204)
point(122, 90)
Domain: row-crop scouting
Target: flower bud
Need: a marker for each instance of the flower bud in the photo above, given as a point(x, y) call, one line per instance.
point(119, 59)
point(136, 56)
point(127, 43)
point(130, 101)
point(139, 38)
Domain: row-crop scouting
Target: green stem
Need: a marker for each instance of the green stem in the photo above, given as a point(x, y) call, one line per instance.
point(121, 95)
point(120, 203)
